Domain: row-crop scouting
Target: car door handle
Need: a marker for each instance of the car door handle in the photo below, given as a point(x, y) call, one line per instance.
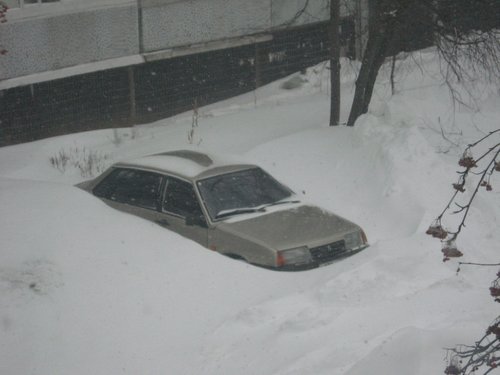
point(162, 222)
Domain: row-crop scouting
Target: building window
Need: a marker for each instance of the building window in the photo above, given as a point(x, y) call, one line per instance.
point(23, 3)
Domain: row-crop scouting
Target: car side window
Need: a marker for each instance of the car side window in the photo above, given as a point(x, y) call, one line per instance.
point(180, 198)
point(130, 186)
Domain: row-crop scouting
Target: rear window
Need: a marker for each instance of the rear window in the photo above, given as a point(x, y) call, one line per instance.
point(130, 186)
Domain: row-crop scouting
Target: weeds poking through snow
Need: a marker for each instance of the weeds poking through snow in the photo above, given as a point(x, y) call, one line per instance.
point(194, 122)
point(59, 161)
point(89, 163)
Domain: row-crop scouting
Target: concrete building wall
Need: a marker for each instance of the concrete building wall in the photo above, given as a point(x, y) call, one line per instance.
point(168, 23)
point(53, 36)
point(38, 44)
point(173, 23)
point(288, 12)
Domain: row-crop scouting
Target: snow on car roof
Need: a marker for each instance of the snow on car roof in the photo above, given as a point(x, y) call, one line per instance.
point(186, 163)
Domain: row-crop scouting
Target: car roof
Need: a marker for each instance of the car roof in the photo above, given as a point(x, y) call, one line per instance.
point(189, 164)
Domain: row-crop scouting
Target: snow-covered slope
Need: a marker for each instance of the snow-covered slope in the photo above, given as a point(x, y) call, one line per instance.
point(86, 289)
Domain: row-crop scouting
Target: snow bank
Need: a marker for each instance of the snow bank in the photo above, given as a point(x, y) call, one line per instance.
point(86, 289)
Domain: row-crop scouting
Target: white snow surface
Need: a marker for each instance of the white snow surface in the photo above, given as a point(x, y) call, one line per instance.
point(181, 165)
point(85, 289)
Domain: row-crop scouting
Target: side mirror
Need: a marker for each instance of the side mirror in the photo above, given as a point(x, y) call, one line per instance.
point(196, 220)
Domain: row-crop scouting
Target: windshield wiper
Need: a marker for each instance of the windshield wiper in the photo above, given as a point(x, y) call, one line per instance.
point(281, 202)
point(249, 210)
point(238, 211)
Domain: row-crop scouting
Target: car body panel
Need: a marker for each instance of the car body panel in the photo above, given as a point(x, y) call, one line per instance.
point(257, 238)
point(236, 245)
point(168, 220)
point(177, 224)
point(304, 225)
point(174, 223)
point(189, 165)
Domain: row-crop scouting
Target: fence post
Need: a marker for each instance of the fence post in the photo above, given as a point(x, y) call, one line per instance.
point(258, 65)
point(132, 103)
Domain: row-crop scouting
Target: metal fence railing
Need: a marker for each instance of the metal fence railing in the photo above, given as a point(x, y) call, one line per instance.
point(154, 90)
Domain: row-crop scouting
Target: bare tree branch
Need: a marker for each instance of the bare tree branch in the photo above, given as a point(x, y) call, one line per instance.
point(484, 355)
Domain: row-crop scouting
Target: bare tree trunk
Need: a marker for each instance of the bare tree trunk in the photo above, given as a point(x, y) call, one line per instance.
point(334, 62)
point(393, 71)
point(377, 62)
point(132, 95)
point(381, 33)
point(364, 88)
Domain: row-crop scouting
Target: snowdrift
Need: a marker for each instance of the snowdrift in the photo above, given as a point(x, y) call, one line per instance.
point(86, 289)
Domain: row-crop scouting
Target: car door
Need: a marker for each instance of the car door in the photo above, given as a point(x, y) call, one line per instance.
point(133, 191)
point(181, 210)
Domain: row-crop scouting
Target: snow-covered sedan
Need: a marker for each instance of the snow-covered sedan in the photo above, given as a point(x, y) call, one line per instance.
point(235, 209)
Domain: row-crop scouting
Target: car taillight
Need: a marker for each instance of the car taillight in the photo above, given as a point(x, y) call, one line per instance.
point(280, 259)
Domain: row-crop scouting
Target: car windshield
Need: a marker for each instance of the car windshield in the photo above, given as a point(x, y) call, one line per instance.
point(241, 192)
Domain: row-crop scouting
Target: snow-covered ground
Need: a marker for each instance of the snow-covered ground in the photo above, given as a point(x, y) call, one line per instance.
point(85, 289)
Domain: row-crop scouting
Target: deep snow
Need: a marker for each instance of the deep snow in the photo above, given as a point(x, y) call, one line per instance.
point(86, 289)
